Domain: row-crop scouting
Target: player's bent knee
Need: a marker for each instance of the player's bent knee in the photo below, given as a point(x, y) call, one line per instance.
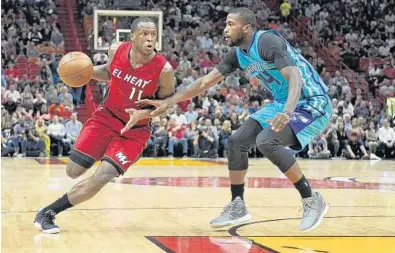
point(74, 170)
point(266, 142)
point(274, 151)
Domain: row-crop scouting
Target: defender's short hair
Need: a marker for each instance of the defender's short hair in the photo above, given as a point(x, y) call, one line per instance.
point(137, 21)
point(246, 14)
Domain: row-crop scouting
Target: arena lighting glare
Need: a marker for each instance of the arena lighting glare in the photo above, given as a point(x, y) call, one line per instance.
point(123, 13)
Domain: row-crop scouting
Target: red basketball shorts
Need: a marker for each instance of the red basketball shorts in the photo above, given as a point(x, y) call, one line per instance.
point(100, 139)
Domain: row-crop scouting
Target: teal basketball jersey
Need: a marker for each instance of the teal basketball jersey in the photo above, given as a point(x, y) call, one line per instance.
point(313, 94)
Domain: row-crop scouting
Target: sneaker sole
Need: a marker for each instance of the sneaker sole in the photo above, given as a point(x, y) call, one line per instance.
point(47, 231)
point(238, 221)
point(319, 220)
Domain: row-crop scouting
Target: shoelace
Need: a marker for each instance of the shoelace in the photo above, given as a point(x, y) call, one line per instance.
point(48, 217)
point(308, 206)
point(228, 207)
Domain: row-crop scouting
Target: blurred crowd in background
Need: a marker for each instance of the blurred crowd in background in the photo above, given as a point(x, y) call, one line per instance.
point(37, 108)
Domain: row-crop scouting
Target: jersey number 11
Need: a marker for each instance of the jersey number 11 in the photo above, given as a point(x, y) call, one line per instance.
point(140, 92)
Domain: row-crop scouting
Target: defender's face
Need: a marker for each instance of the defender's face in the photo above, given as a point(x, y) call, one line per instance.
point(144, 37)
point(234, 31)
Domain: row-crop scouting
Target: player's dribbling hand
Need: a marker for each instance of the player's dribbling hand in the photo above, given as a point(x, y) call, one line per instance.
point(279, 122)
point(134, 118)
point(161, 106)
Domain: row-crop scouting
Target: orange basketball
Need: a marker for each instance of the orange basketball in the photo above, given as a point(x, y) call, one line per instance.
point(75, 69)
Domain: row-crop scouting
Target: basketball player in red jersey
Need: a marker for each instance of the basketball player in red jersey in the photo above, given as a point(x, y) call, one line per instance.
point(118, 130)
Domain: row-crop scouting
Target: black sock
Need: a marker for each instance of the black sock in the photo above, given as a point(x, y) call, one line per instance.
point(59, 205)
point(303, 187)
point(237, 191)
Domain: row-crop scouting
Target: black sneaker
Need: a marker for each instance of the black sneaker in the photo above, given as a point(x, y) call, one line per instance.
point(44, 222)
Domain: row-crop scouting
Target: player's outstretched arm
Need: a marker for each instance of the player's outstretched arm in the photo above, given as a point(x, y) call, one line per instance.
point(102, 72)
point(192, 90)
point(228, 65)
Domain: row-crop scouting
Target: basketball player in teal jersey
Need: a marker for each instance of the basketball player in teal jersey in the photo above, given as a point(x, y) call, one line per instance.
point(300, 110)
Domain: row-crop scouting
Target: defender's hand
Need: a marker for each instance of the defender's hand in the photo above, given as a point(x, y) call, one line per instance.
point(279, 122)
point(161, 106)
point(134, 118)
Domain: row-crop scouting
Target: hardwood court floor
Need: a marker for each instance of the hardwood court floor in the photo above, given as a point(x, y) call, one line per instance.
point(165, 205)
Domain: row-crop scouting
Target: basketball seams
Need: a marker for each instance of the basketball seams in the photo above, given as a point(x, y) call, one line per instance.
point(90, 65)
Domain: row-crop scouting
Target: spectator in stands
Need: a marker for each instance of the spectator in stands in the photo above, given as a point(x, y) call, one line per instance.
point(10, 105)
point(10, 144)
point(73, 129)
point(191, 114)
point(56, 132)
point(362, 110)
point(161, 137)
point(192, 136)
point(285, 8)
point(34, 35)
point(207, 143)
point(355, 127)
point(224, 134)
point(45, 74)
point(38, 102)
point(355, 148)
point(41, 130)
point(341, 136)
point(13, 94)
point(234, 120)
point(332, 141)
point(56, 109)
point(32, 145)
point(318, 148)
point(6, 148)
point(65, 98)
point(179, 117)
point(387, 90)
point(57, 38)
point(387, 139)
point(176, 133)
point(372, 139)
point(32, 50)
point(51, 95)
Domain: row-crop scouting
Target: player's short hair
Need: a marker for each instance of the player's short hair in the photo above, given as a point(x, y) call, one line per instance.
point(137, 21)
point(246, 14)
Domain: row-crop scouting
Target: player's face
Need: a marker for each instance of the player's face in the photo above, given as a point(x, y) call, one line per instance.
point(144, 38)
point(235, 30)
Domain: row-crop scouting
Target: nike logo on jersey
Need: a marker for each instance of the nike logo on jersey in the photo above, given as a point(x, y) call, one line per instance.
point(116, 73)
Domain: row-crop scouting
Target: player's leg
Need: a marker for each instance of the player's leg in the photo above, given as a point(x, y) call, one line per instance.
point(80, 192)
point(90, 186)
point(85, 153)
point(239, 144)
point(272, 145)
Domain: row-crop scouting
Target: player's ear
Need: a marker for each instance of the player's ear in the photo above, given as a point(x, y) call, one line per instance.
point(247, 27)
point(132, 36)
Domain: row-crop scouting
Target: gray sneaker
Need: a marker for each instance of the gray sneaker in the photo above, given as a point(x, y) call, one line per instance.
point(314, 209)
point(234, 213)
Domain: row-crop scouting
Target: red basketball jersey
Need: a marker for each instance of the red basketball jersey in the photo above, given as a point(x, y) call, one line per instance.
point(129, 85)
